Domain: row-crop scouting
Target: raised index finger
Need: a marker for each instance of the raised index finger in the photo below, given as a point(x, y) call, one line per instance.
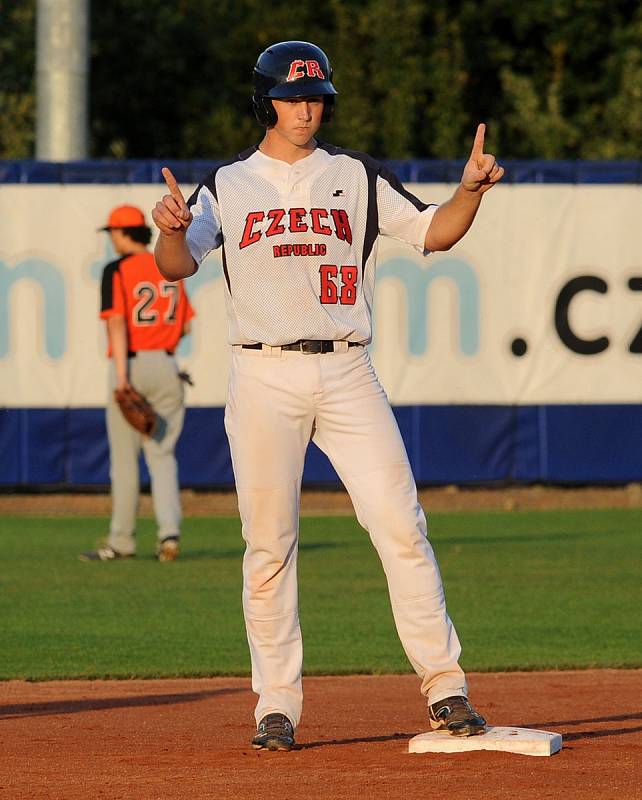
point(478, 145)
point(172, 185)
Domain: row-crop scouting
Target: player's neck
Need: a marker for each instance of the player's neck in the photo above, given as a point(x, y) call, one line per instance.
point(129, 248)
point(276, 146)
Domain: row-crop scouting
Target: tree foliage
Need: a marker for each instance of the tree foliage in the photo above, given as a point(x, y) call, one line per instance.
point(552, 78)
point(17, 78)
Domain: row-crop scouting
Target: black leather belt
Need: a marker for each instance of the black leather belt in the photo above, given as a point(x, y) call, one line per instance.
point(305, 346)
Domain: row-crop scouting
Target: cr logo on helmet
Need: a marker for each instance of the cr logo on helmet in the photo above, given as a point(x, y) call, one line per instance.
point(312, 70)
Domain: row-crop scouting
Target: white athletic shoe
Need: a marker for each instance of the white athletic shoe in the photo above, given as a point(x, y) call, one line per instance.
point(105, 553)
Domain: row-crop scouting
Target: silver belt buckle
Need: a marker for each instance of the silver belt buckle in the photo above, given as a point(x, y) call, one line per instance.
point(311, 346)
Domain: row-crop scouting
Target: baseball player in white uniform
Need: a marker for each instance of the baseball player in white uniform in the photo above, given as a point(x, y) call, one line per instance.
point(298, 221)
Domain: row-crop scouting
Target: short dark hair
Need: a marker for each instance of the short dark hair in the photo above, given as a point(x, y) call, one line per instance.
point(141, 234)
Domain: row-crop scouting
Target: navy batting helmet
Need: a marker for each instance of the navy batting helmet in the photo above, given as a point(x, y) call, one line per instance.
point(291, 69)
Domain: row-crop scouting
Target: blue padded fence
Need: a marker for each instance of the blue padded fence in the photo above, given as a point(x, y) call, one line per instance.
point(446, 444)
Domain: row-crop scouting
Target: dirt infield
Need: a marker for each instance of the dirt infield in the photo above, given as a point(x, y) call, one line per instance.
point(447, 498)
point(189, 740)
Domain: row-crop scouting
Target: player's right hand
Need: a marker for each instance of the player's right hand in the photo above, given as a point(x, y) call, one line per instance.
point(481, 171)
point(171, 214)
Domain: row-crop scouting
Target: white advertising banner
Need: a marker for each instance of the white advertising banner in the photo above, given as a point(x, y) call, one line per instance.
point(541, 302)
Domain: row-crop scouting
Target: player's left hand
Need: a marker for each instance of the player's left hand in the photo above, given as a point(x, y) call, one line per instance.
point(482, 171)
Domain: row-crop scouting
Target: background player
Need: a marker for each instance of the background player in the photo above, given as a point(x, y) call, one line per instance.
point(298, 221)
point(146, 317)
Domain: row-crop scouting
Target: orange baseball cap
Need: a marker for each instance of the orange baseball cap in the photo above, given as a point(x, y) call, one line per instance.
point(125, 217)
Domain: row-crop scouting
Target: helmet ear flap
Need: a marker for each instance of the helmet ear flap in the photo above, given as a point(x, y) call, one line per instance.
point(264, 111)
point(270, 112)
point(328, 108)
point(328, 102)
point(257, 109)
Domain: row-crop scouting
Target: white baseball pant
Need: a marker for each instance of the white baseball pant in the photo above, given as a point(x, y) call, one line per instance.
point(278, 400)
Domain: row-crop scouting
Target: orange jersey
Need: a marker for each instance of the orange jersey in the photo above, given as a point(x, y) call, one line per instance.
point(155, 310)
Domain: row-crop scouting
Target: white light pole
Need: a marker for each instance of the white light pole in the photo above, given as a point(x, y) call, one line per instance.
point(62, 72)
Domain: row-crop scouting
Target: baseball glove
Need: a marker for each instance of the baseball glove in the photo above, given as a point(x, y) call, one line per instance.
point(136, 410)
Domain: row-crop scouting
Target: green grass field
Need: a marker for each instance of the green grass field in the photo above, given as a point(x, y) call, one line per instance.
point(525, 590)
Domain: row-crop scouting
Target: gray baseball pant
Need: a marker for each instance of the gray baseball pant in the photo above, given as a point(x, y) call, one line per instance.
point(154, 373)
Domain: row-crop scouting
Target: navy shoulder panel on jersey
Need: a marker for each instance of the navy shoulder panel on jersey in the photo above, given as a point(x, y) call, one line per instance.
point(107, 284)
point(332, 149)
point(393, 180)
point(372, 165)
point(372, 168)
point(210, 179)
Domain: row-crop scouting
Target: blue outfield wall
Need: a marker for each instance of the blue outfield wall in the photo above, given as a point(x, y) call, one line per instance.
point(446, 444)
point(418, 170)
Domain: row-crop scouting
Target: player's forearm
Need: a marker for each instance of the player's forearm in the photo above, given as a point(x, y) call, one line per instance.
point(173, 257)
point(452, 219)
point(117, 332)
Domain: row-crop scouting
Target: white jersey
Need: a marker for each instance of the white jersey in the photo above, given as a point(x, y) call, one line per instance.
point(300, 241)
